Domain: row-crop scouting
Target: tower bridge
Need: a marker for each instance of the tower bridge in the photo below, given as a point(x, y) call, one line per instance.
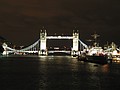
point(40, 46)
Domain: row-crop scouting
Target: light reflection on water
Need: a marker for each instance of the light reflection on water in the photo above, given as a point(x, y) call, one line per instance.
point(56, 73)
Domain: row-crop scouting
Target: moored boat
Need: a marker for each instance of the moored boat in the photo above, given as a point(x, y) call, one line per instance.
point(95, 54)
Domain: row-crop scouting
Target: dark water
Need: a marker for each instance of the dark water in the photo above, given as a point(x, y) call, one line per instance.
point(57, 73)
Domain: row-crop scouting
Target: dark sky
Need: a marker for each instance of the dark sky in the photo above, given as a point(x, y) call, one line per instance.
point(21, 20)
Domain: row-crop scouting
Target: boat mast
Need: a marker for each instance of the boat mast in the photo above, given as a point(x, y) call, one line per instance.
point(95, 36)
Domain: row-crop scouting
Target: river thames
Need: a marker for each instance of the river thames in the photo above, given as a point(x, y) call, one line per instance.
point(56, 73)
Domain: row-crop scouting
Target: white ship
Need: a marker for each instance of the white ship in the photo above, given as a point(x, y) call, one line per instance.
point(95, 54)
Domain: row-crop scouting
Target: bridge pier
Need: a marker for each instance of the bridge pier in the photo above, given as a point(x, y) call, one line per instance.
point(75, 50)
point(43, 49)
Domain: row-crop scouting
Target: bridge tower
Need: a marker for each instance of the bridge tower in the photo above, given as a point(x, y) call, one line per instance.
point(43, 49)
point(5, 49)
point(75, 49)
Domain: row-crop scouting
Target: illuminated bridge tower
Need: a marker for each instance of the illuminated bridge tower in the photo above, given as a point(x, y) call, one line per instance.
point(43, 49)
point(75, 50)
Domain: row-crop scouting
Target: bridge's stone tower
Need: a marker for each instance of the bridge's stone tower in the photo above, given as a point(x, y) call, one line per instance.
point(43, 49)
point(5, 49)
point(75, 43)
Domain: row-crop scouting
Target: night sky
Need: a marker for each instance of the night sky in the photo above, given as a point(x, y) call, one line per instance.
point(21, 20)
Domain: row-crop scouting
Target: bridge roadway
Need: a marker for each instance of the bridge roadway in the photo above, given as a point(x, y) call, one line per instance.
point(8, 52)
point(19, 51)
point(62, 51)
